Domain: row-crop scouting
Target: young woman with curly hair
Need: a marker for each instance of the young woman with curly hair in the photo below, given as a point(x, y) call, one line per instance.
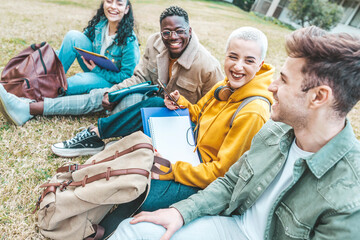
point(111, 33)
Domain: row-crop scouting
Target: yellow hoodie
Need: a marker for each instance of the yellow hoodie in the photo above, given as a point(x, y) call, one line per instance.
point(219, 145)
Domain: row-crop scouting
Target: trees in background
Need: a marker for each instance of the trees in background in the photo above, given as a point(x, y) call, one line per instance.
point(321, 13)
point(244, 4)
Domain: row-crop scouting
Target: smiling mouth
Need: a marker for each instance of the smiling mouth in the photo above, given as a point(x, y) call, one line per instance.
point(276, 100)
point(237, 75)
point(113, 13)
point(175, 44)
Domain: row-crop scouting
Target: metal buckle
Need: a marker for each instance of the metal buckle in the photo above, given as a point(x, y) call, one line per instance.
point(76, 167)
point(64, 184)
point(39, 200)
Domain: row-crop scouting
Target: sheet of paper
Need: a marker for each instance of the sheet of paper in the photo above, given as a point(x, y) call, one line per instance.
point(148, 112)
point(173, 139)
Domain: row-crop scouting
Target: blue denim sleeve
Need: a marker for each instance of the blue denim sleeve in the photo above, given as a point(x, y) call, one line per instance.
point(130, 58)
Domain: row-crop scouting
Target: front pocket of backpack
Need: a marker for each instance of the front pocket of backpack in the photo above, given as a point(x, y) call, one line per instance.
point(48, 85)
point(46, 211)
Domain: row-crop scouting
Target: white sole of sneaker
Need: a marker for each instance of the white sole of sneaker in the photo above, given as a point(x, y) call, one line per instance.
point(75, 152)
point(6, 113)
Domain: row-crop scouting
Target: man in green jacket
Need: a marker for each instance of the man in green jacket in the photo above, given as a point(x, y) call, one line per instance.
point(300, 178)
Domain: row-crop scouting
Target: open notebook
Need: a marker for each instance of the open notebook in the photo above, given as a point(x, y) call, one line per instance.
point(173, 138)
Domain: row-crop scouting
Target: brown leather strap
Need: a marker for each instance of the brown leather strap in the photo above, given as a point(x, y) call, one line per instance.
point(163, 162)
point(46, 191)
point(74, 167)
point(99, 232)
point(109, 173)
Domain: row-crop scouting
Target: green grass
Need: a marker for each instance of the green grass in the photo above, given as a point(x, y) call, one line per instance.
point(25, 157)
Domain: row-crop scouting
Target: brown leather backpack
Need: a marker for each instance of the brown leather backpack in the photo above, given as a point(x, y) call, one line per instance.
point(35, 73)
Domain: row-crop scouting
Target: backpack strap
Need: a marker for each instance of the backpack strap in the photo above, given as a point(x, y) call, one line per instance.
point(99, 232)
point(74, 167)
point(163, 162)
point(245, 102)
point(104, 175)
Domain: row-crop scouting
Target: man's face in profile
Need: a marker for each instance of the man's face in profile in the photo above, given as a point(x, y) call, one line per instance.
point(290, 105)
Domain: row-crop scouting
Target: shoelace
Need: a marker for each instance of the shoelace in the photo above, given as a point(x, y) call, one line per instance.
point(78, 137)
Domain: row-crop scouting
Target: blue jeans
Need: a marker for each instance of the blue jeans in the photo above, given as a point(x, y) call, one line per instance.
point(204, 228)
point(85, 81)
point(127, 121)
point(162, 194)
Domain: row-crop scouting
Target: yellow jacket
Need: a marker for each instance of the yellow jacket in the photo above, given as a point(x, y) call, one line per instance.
point(219, 145)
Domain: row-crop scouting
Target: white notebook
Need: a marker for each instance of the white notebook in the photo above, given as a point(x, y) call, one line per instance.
point(173, 138)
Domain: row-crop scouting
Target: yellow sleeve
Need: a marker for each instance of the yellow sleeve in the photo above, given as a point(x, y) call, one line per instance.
point(237, 141)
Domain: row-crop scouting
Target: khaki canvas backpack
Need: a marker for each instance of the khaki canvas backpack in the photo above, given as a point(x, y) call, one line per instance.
point(77, 198)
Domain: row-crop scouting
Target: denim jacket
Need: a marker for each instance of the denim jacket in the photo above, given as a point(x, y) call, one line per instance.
point(125, 57)
point(322, 202)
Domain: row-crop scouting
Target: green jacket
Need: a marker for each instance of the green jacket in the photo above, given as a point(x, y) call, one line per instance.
point(322, 202)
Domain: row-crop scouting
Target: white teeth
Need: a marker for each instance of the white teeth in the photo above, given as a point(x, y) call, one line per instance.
point(174, 44)
point(237, 76)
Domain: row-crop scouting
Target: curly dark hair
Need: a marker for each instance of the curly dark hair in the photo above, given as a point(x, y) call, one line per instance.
point(332, 59)
point(174, 11)
point(124, 28)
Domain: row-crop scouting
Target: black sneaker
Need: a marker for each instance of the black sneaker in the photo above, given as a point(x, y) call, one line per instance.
point(84, 143)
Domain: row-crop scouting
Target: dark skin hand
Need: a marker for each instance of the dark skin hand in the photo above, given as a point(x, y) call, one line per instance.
point(106, 104)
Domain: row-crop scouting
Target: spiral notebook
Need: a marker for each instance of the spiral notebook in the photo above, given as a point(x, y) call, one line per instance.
point(148, 112)
point(173, 138)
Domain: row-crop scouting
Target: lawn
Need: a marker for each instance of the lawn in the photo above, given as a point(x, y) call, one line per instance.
point(25, 156)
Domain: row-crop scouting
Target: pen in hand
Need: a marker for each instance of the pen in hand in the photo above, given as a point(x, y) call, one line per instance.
point(170, 101)
point(167, 94)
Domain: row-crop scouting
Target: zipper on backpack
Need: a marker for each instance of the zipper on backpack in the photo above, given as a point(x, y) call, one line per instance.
point(27, 82)
point(42, 61)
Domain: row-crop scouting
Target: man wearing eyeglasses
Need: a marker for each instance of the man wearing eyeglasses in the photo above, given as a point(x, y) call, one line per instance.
point(173, 57)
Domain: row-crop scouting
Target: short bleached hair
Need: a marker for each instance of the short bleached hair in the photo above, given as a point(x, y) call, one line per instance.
point(250, 34)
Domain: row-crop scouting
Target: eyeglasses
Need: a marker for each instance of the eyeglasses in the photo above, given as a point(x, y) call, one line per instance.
point(179, 32)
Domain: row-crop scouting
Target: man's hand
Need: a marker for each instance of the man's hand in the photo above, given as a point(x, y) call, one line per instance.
point(90, 65)
point(169, 218)
point(106, 104)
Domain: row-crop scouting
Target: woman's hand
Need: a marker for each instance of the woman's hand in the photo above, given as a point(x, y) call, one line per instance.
point(169, 218)
point(106, 104)
point(90, 65)
point(171, 104)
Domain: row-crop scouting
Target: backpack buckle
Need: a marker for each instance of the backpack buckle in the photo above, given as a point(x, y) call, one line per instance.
point(64, 184)
point(76, 167)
